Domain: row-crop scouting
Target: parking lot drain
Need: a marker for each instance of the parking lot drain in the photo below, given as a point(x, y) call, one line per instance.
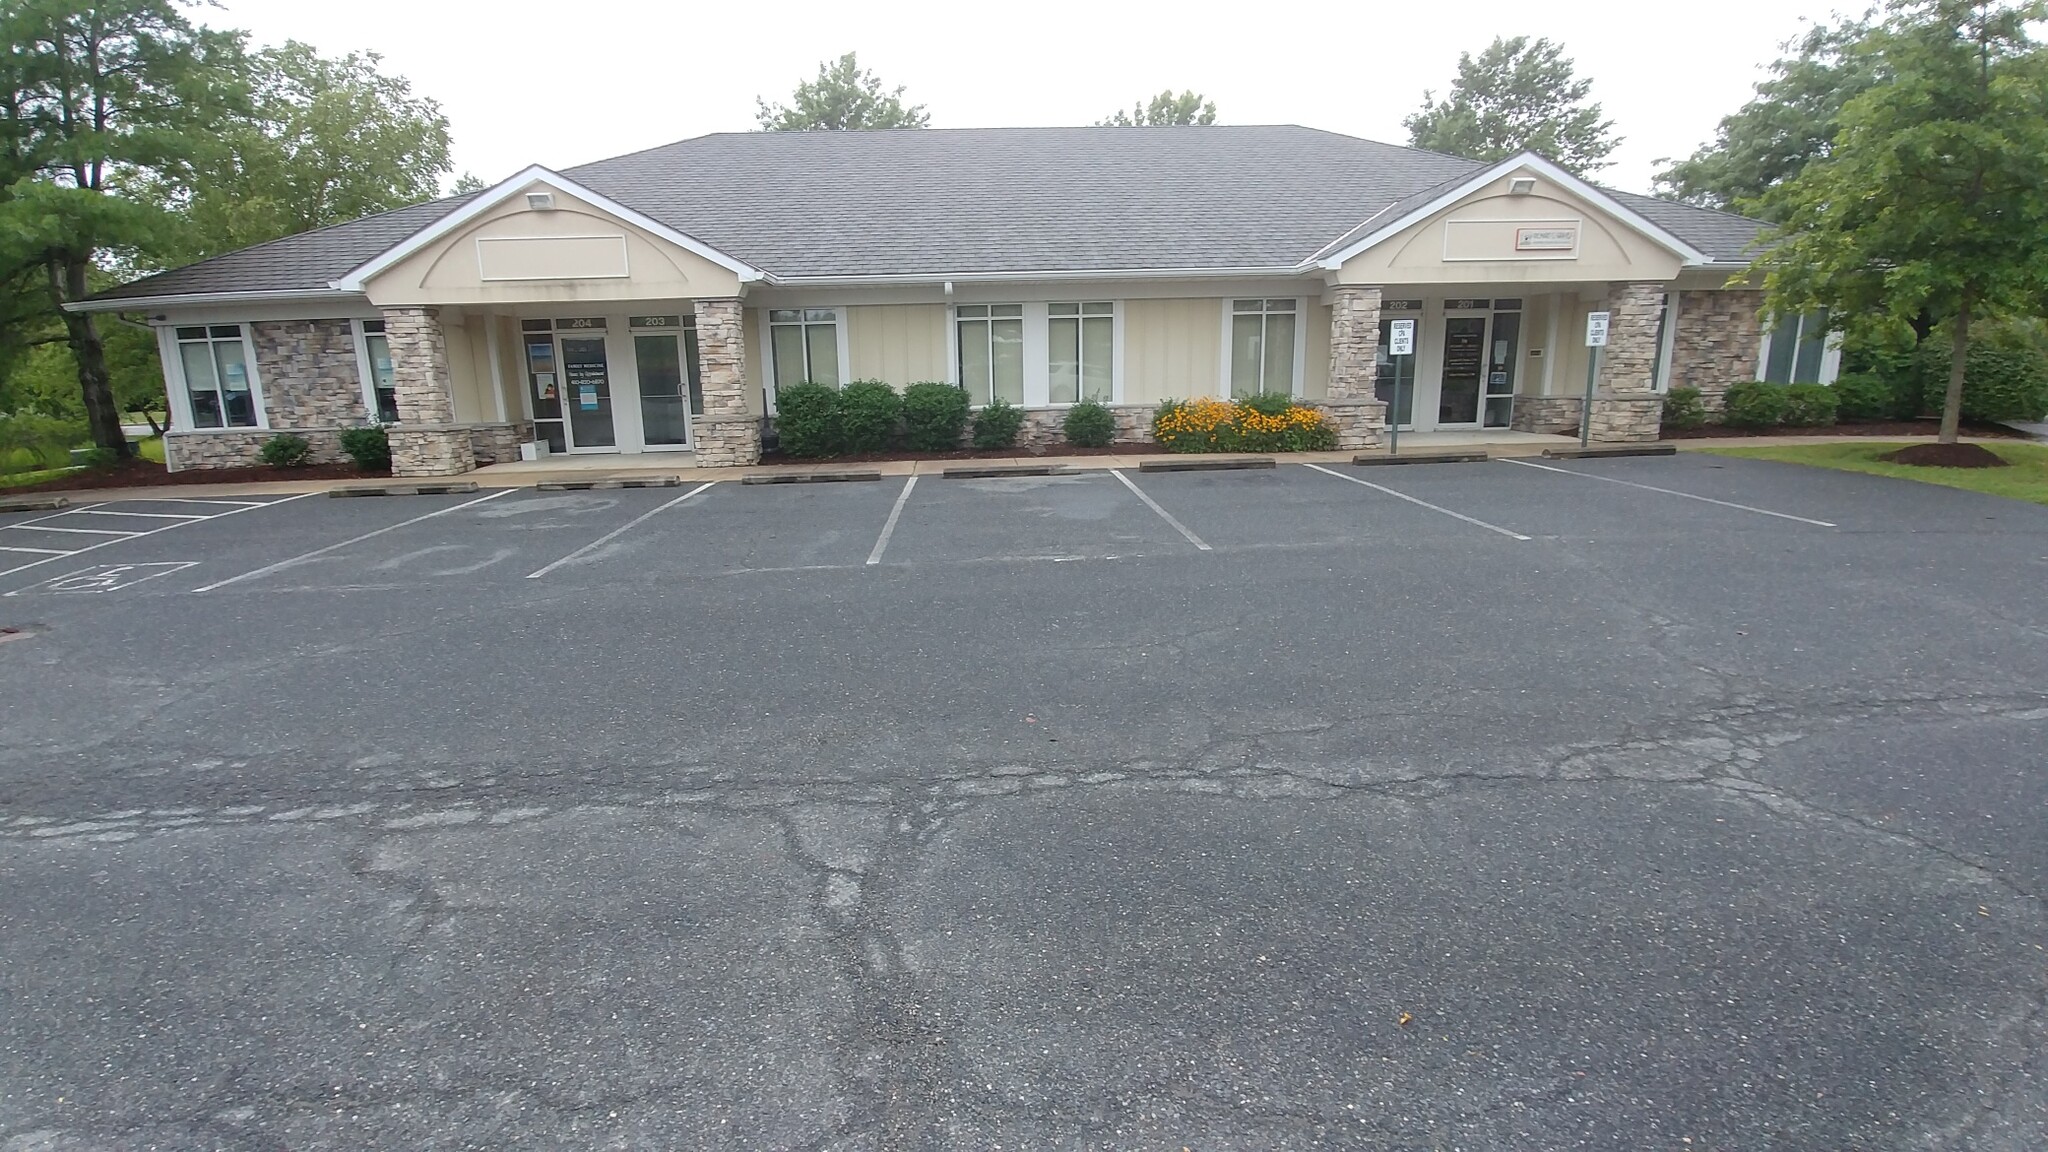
point(34, 504)
point(1231, 464)
point(617, 482)
point(810, 477)
point(988, 471)
point(1611, 450)
point(1367, 461)
point(452, 488)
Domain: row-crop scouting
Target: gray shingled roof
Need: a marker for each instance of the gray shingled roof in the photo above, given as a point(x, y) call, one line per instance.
point(937, 201)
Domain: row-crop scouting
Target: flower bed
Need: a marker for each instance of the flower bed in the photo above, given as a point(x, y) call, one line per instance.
point(1264, 423)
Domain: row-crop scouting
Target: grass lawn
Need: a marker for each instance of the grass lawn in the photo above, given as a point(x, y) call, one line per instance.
point(17, 479)
point(2027, 479)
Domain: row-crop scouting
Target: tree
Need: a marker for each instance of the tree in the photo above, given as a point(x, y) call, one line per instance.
point(843, 98)
point(466, 183)
point(1934, 195)
point(1187, 108)
point(1791, 122)
point(1519, 95)
point(324, 140)
point(101, 96)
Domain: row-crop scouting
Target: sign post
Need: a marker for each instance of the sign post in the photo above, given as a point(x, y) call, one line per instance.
point(1596, 339)
point(1400, 342)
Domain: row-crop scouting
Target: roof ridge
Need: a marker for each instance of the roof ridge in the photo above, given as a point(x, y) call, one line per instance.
point(1694, 207)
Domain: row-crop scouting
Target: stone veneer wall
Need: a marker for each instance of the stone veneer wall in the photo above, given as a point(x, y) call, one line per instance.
point(1045, 428)
point(725, 434)
point(1720, 335)
point(498, 443)
point(1627, 407)
point(242, 447)
point(1550, 414)
point(1359, 416)
point(309, 373)
point(434, 450)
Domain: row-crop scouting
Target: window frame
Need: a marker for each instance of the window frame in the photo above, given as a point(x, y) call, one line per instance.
point(768, 326)
point(365, 372)
point(1667, 342)
point(177, 388)
point(1830, 351)
point(1299, 371)
point(1032, 343)
point(1081, 314)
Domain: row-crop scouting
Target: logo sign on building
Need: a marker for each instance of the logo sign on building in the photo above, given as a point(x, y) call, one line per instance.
point(1596, 329)
point(1401, 338)
point(1550, 239)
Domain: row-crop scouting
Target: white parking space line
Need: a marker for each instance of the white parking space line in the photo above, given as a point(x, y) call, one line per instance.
point(239, 506)
point(51, 551)
point(1179, 527)
point(1472, 520)
point(619, 531)
point(81, 531)
point(1674, 492)
point(197, 500)
point(140, 515)
point(889, 525)
point(302, 557)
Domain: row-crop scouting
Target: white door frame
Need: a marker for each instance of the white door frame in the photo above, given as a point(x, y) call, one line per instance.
point(631, 357)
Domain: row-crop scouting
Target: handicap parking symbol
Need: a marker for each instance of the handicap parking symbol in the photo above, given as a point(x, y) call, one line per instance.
point(107, 577)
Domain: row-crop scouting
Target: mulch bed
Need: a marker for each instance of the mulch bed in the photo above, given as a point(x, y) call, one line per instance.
point(1869, 428)
point(964, 454)
point(1946, 456)
point(146, 474)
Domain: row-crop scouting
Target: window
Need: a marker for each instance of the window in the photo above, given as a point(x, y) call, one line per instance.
point(380, 392)
point(1081, 352)
point(1262, 338)
point(1660, 360)
point(217, 379)
point(991, 338)
point(1795, 347)
point(803, 344)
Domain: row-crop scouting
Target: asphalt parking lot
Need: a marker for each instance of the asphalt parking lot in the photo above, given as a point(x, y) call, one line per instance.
point(1677, 803)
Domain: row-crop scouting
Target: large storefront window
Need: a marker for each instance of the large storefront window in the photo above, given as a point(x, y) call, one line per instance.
point(1262, 336)
point(1081, 351)
point(991, 338)
point(804, 344)
point(217, 376)
point(1795, 347)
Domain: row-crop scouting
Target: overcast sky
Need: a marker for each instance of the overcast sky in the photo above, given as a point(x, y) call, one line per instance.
point(557, 84)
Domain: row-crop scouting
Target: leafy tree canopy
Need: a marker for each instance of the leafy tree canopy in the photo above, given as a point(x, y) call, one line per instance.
point(1791, 122)
point(323, 140)
point(1189, 107)
point(1518, 95)
point(1933, 197)
point(843, 98)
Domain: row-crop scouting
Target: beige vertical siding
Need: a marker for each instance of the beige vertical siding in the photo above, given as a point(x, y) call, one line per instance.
point(1174, 348)
point(898, 344)
point(469, 369)
point(1535, 334)
point(751, 328)
point(1315, 373)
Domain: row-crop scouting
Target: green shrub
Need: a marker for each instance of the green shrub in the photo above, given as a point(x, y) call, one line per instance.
point(1683, 408)
point(1864, 396)
point(997, 425)
point(1089, 425)
point(1810, 405)
point(869, 411)
point(40, 441)
point(97, 457)
point(934, 417)
point(1755, 404)
point(1206, 425)
point(1268, 403)
point(2003, 379)
point(285, 450)
point(369, 447)
point(807, 419)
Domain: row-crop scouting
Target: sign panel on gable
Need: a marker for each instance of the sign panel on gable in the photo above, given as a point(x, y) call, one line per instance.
point(1547, 239)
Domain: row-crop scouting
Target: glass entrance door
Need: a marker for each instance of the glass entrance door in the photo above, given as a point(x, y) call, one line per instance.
point(544, 379)
point(1464, 370)
point(587, 393)
point(1394, 377)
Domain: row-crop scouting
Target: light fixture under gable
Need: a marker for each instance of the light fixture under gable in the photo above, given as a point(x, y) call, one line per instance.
point(1521, 185)
point(541, 201)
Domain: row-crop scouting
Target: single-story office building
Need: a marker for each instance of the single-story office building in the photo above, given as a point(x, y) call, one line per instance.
point(655, 302)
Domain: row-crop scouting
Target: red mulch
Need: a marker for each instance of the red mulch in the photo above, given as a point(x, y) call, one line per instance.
point(148, 474)
point(964, 454)
point(1869, 428)
point(1946, 456)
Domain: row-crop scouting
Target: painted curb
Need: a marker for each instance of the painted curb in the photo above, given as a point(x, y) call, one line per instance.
point(970, 472)
point(455, 488)
point(1422, 458)
point(588, 485)
point(1232, 465)
point(812, 478)
point(34, 504)
point(1618, 450)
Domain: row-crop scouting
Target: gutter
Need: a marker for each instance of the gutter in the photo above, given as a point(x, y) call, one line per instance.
point(189, 299)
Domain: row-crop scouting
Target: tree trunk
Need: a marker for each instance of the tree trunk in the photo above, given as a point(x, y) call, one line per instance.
point(1958, 358)
point(102, 414)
